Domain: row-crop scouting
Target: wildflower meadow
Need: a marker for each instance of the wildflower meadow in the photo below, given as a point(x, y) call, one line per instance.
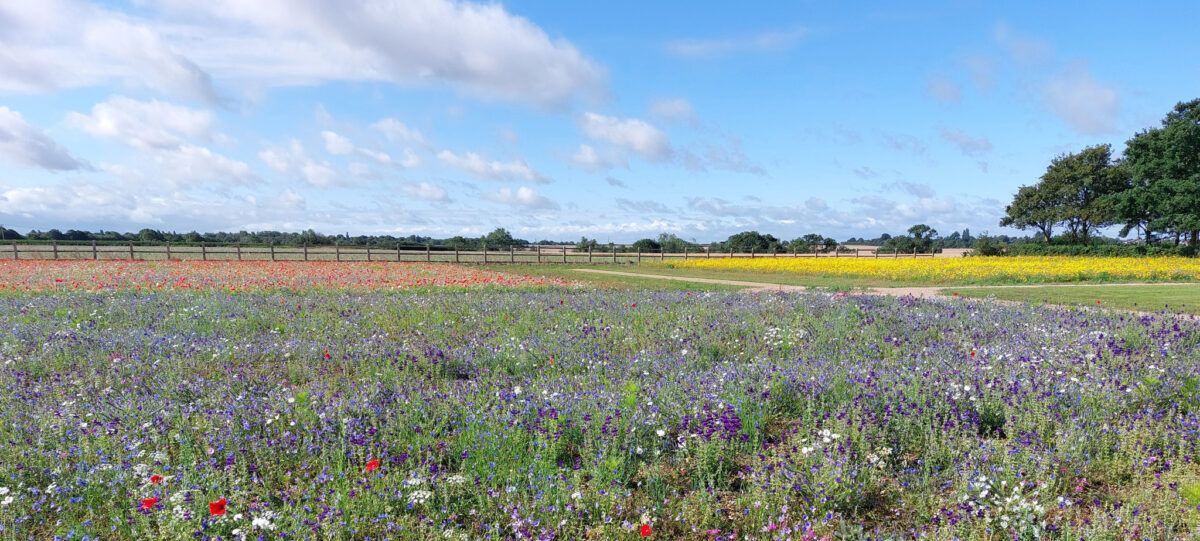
point(555, 412)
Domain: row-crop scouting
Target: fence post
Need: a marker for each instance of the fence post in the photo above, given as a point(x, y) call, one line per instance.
point(662, 253)
point(589, 253)
point(708, 252)
point(427, 256)
point(539, 253)
point(203, 252)
point(95, 255)
point(368, 253)
point(877, 253)
point(485, 253)
point(272, 252)
point(564, 254)
point(337, 252)
point(16, 255)
point(305, 251)
point(751, 253)
point(731, 253)
point(613, 247)
point(54, 246)
point(512, 254)
point(397, 252)
point(685, 252)
point(168, 250)
point(456, 254)
point(239, 251)
point(131, 250)
point(639, 255)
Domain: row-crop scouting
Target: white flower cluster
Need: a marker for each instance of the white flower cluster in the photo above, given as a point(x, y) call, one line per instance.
point(455, 480)
point(960, 392)
point(419, 497)
point(878, 459)
point(1006, 507)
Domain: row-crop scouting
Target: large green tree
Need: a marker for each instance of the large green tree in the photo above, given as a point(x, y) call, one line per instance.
point(1034, 207)
point(752, 240)
point(1081, 185)
point(1164, 163)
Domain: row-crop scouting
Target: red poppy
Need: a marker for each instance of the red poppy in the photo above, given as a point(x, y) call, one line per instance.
point(156, 479)
point(327, 355)
point(634, 305)
point(217, 508)
point(972, 353)
point(372, 465)
point(646, 531)
point(551, 360)
point(149, 503)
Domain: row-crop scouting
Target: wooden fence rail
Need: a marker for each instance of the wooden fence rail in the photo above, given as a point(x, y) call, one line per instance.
point(512, 255)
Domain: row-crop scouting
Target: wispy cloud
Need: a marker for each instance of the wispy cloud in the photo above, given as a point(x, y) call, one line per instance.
point(766, 41)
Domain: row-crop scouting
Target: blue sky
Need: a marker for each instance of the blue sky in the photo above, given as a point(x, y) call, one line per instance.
point(612, 120)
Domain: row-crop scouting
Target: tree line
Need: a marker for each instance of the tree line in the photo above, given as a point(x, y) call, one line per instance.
point(920, 238)
point(1151, 190)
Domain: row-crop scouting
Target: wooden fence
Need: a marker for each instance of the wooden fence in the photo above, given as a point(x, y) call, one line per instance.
point(236, 252)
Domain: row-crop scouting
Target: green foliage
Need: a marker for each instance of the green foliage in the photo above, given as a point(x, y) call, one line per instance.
point(748, 241)
point(1154, 190)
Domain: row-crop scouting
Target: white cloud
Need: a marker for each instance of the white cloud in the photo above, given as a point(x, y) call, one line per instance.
point(52, 44)
point(395, 130)
point(490, 169)
point(523, 197)
point(1023, 49)
point(318, 174)
point(970, 146)
point(1087, 105)
point(190, 163)
point(410, 159)
point(292, 199)
point(673, 110)
point(144, 124)
point(26, 145)
point(425, 191)
point(630, 134)
point(479, 48)
point(589, 159)
point(944, 90)
point(340, 145)
point(294, 159)
point(337, 144)
point(762, 42)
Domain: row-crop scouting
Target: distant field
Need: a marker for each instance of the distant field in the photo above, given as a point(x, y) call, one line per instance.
point(945, 271)
point(1147, 298)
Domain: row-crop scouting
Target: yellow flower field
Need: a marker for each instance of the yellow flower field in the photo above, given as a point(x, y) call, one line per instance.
point(1020, 269)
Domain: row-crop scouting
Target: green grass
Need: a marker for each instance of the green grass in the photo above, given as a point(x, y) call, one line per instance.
point(569, 272)
point(1147, 298)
